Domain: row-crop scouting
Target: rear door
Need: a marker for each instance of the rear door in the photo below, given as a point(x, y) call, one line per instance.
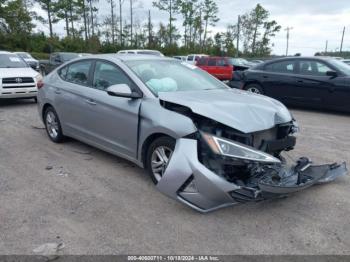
point(278, 80)
point(71, 98)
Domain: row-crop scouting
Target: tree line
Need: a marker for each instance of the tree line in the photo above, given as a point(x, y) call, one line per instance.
point(190, 27)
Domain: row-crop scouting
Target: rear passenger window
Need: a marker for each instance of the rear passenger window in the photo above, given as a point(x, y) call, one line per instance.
point(190, 58)
point(212, 62)
point(78, 72)
point(107, 74)
point(281, 67)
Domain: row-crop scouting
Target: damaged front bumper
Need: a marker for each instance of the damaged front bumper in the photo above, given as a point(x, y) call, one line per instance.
point(189, 181)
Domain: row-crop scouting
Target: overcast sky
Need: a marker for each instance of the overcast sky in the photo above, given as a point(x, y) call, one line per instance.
point(313, 21)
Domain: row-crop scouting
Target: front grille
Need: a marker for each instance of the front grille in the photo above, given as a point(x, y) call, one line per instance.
point(17, 80)
point(23, 86)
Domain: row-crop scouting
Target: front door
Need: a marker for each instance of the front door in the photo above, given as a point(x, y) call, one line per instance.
point(313, 86)
point(112, 121)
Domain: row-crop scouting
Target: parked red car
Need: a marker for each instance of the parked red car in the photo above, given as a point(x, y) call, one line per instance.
point(220, 67)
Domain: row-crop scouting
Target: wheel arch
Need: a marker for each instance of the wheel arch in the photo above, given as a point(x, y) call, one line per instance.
point(45, 106)
point(148, 141)
point(256, 82)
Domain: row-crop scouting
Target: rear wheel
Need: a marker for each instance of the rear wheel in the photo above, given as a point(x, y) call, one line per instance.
point(53, 125)
point(254, 88)
point(158, 157)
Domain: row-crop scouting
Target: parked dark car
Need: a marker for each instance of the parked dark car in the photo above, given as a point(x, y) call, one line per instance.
point(56, 59)
point(239, 66)
point(313, 82)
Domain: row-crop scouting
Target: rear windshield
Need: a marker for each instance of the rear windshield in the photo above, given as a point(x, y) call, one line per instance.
point(11, 61)
point(237, 61)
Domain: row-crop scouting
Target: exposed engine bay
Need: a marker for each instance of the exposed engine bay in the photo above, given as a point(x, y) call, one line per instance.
point(253, 162)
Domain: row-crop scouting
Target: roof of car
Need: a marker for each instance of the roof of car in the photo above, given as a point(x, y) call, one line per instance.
point(138, 50)
point(5, 52)
point(216, 57)
point(301, 58)
point(129, 57)
point(197, 55)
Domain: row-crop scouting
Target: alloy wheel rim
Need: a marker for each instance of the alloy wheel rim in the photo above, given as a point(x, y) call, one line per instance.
point(254, 90)
point(52, 124)
point(160, 159)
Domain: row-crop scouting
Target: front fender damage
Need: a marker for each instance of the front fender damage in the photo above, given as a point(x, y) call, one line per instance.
point(188, 180)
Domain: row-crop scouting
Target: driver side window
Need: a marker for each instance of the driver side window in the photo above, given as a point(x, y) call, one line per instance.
point(313, 68)
point(107, 74)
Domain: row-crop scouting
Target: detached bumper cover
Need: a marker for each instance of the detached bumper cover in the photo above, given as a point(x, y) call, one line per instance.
point(189, 181)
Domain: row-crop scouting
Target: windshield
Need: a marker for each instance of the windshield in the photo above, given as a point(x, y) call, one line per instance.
point(345, 68)
point(11, 61)
point(68, 56)
point(173, 76)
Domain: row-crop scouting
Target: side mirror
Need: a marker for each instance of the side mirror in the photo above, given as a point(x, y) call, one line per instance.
point(332, 73)
point(122, 90)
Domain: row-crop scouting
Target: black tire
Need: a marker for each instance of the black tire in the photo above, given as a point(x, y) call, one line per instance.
point(35, 100)
point(254, 88)
point(166, 142)
point(57, 137)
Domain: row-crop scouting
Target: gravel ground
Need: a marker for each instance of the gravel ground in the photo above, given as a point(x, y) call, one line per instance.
point(96, 203)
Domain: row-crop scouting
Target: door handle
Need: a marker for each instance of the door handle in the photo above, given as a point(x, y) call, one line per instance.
point(90, 102)
point(300, 81)
point(265, 77)
point(57, 91)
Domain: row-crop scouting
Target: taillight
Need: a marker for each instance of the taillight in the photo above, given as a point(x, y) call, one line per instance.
point(40, 84)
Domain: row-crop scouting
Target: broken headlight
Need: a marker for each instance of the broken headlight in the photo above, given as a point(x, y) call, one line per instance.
point(233, 149)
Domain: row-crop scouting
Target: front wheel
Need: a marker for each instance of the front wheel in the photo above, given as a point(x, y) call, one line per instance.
point(53, 125)
point(254, 88)
point(158, 157)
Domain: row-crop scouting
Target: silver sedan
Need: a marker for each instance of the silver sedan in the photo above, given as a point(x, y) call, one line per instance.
point(201, 142)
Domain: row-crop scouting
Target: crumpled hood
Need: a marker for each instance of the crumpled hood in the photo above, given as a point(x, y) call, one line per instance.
point(238, 109)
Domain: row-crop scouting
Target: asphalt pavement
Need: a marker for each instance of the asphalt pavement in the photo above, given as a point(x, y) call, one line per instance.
point(97, 203)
